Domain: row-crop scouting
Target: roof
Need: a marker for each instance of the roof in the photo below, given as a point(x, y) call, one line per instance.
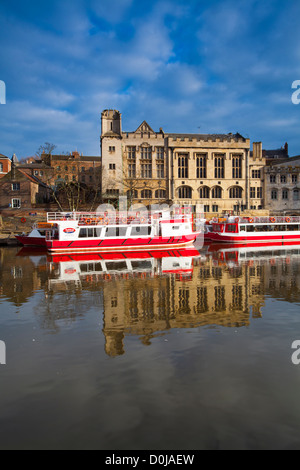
point(229, 136)
point(32, 178)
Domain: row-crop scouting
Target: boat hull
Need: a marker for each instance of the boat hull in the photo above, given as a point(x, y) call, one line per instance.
point(120, 244)
point(265, 238)
point(31, 241)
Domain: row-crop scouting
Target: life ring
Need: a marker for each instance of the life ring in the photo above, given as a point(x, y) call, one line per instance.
point(251, 220)
point(142, 220)
point(288, 220)
point(88, 221)
point(23, 220)
point(272, 220)
point(237, 220)
point(106, 221)
point(124, 220)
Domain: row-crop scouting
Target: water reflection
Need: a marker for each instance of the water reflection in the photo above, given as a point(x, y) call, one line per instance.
point(147, 294)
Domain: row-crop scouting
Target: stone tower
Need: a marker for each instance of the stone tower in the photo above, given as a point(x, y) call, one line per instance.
point(111, 152)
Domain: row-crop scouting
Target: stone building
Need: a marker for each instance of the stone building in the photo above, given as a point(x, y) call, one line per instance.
point(216, 170)
point(282, 186)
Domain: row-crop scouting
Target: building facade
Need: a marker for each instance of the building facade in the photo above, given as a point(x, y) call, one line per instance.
point(282, 186)
point(215, 170)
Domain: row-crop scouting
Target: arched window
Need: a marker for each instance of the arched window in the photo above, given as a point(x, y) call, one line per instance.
point(204, 192)
point(216, 192)
point(132, 194)
point(274, 195)
point(236, 192)
point(160, 194)
point(146, 194)
point(296, 194)
point(185, 192)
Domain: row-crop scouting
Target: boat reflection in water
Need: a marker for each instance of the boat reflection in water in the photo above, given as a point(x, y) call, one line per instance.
point(147, 294)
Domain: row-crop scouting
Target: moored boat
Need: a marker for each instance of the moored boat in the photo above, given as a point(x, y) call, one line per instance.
point(257, 230)
point(79, 232)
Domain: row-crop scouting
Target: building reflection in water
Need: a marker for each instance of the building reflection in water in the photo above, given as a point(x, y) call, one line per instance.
point(147, 294)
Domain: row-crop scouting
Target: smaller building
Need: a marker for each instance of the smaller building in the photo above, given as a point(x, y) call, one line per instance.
point(19, 190)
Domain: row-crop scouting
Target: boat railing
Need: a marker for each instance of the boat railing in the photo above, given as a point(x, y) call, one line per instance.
point(269, 220)
point(94, 218)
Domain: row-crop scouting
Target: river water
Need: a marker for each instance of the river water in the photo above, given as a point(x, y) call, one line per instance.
point(164, 351)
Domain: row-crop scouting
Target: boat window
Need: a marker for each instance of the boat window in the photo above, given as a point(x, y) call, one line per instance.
point(231, 228)
point(250, 228)
point(242, 228)
point(83, 233)
point(89, 232)
point(217, 228)
point(116, 232)
point(175, 227)
point(141, 231)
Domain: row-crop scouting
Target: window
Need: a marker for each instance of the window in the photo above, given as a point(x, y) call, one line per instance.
point(185, 192)
point(132, 194)
point(116, 231)
point(113, 192)
point(146, 194)
point(259, 193)
point(1, 167)
point(236, 167)
point(204, 192)
point(141, 231)
point(296, 194)
point(132, 170)
point(146, 153)
point(294, 179)
point(216, 192)
point(283, 179)
point(183, 167)
point(256, 174)
point(285, 194)
point(159, 153)
point(252, 193)
point(112, 166)
point(201, 166)
point(146, 170)
point(112, 149)
point(131, 153)
point(272, 178)
point(160, 170)
point(160, 194)
point(215, 208)
point(219, 167)
point(206, 208)
point(16, 187)
point(236, 192)
point(16, 203)
point(274, 195)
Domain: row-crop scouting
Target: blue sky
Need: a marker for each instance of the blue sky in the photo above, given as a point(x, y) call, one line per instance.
point(183, 65)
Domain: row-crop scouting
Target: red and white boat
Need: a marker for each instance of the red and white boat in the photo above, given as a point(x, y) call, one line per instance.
point(80, 232)
point(257, 230)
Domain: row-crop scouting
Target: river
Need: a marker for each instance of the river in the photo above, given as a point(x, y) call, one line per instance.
point(182, 350)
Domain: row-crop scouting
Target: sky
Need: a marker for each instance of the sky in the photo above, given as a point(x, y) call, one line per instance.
point(186, 66)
